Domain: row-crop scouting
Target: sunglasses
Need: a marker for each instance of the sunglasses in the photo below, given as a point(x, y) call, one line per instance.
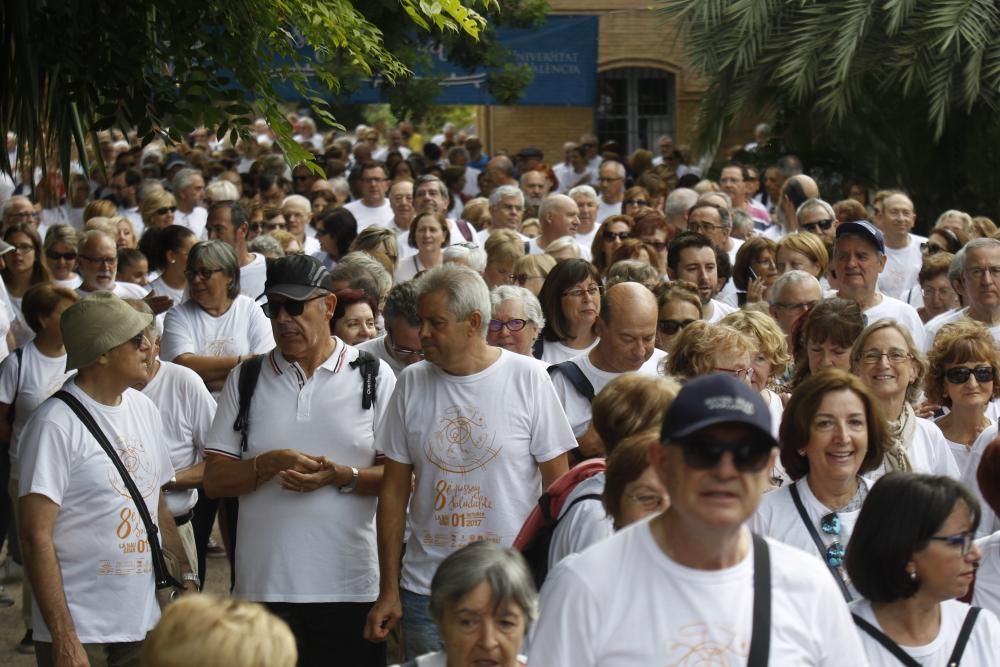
point(614, 236)
point(671, 327)
point(204, 274)
point(512, 325)
point(57, 256)
point(636, 202)
point(814, 227)
point(165, 209)
point(932, 248)
point(523, 278)
point(294, 308)
point(703, 454)
point(830, 524)
point(659, 246)
point(961, 374)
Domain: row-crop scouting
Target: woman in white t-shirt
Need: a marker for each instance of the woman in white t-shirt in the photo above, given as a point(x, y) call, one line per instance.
point(430, 235)
point(61, 242)
point(833, 432)
point(911, 555)
point(571, 303)
point(167, 252)
point(214, 330)
point(962, 377)
point(23, 268)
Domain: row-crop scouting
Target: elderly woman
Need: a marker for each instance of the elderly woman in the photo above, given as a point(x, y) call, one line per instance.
point(955, 221)
point(483, 601)
point(833, 432)
point(517, 319)
point(802, 251)
point(755, 270)
point(354, 317)
point(708, 348)
point(571, 303)
point(609, 236)
point(679, 305)
point(964, 363)
point(912, 553)
point(531, 271)
point(824, 337)
point(504, 248)
point(935, 288)
point(770, 359)
point(297, 211)
point(429, 234)
point(60, 255)
point(157, 209)
point(166, 251)
point(214, 330)
point(632, 489)
point(886, 359)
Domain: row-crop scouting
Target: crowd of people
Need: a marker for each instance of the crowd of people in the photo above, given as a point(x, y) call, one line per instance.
point(745, 424)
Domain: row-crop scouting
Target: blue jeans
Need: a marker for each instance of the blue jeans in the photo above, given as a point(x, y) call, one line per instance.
point(420, 635)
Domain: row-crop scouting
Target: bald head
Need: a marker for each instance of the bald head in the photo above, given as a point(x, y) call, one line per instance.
point(627, 328)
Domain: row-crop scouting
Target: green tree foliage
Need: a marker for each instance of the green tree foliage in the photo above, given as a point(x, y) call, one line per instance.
point(74, 67)
point(899, 92)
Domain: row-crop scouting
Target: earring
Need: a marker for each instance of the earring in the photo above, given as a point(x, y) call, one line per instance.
point(802, 452)
point(913, 575)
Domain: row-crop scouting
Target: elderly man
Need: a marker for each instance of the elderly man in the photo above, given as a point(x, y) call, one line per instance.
point(773, 180)
point(306, 538)
point(607, 605)
point(19, 210)
point(902, 249)
point(476, 432)
point(665, 150)
point(611, 179)
point(298, 212)
point(977, 267)
point(189, 190)
point(401, 202)
point(373, 208)
point(792, 294)
point(227, 221)
point(794, 192)
point(858, 259)
point(98, 259)
point(817, 217)
point(394, 144)
point(586, 203)
point(733, 182)
point(431, 194)
point(85, 546)
point(691, 257)
point(558, 217)
point(535, 186)
point(500, 171)
point(676, 208)
point(400, 346)
point(506, 209)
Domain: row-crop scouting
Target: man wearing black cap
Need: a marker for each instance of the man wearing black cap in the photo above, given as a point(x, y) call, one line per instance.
point(692, 585)
point(307, 473)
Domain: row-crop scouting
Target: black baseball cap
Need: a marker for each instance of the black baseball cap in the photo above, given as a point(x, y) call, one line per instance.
point(297, 277)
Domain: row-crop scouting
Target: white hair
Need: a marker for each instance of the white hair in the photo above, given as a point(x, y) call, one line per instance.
point(582, 191)
point(467, 292)
point(296, 199)
point(505, 191)
point(790, 278)
point(532, 307)
point(470, 255)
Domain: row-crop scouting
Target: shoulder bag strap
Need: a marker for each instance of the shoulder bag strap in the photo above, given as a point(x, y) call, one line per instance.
point(576, 378)
point(760, 638)
point(369, 377)
point(163, 578)
point(885, 641)
point(817, 541)
point(963, 636)
point(246, 384)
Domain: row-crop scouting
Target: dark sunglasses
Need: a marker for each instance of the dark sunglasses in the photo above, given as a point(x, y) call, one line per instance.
point(615, 236)
point(636, 202)
point(659, 246)
point(512, 325)
point(830, 524)
point(960, 374)
point(704, 454)
point(204, 274)
point(165, 209)
point(814, 227)
point(523, 278)
point(294, 308)
point(671, 327)
point(64, 256)
point(932, 248)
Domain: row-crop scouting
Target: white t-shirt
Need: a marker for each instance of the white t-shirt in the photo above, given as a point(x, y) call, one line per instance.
point(623, 602)
point(586, 239)
point(41, 376)
point(163, 289)
point(577, 407)
point(253, 276)
point(72, 282)
point(932, 328)
point(305, 547)
point(928, 453)
point(719, 310)
point(582, 524)
point(408, 269)
point(475, 442)
point(554, 352)
point(777, 410)
point(187, 409)
point(894, 309)
point(605, 210)
point(582, 251)
point(371, 215)
point(982, 649)
point(121, 289)
point(776, 517)
point(987, 591)
point(99, 538)
point(901, 268)
point(243, 329)
point(195, 220)
point(989, 523)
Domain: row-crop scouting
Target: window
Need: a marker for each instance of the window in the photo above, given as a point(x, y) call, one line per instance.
point(635, 106)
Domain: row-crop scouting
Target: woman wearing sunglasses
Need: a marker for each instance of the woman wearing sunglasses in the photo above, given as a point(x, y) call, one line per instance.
point(517, 319)
point(157, 209)
point(962, 377)
point(912, 553)
point(60, 255)
point(679, 305)
point(609, 237)
point(832, 433)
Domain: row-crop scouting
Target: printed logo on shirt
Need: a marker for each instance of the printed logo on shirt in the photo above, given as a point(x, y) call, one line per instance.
point(464, 442)
point(130, 533)
point(698, 644)
point(219, 347)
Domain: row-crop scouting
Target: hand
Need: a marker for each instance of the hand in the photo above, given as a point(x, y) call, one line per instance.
point(159, 304)
point(383, 617)
point(310, 481)
point(755, 290)
point(68, 652)
point(926, 410)
point(277, 461)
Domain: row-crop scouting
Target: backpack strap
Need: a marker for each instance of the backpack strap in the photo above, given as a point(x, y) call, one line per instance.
point(760, 637)
point(538, 347)
point(249, 373)
point(963, 636)
point(887, 643)
point(368, 365)
point(575, 377)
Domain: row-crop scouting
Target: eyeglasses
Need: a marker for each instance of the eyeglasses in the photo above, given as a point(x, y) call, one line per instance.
point(609, 235)
point(522, 278)
point(940, 293)
point(648, 501)
point(271, 226)
point(372, 181)
point(405, 351)
point(25, 215)
point(702, 454)
point(593, 291)
point(659, 246)
point(294, 308)
point(965, 540)
point(611, 179)
point(961, 374)
point(24, 248)
point(830, 524)
point(671, 327)
point(60, 256)
point(932, 248)
point(165, 209)
point(511, 324)
point(745, 374)
point(703, 227)
point(110, 261)
point(814, 227)
point(636, 202)
point(800, 307)
point(895, 356)
point(204, 274)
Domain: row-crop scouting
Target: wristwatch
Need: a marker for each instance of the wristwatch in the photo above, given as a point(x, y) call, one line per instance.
point(353, 484)
point(191, 576)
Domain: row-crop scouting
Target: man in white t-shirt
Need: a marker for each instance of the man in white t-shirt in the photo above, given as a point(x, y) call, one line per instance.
point(611, 180)
point(227, 221)
point(84, 544)
point(586, 203)
point(858, 259)
point(401, 203)
point(98, 259)
point(400, 346)
point(691, 257)
point(306, 533)
point(712, 217)
point(373, 207)
point(977, 266)
point(125, 184)
point(558, 217)
point(902, 249)
point(732, 180)
point(298, 212)
point(506, 210)
point(680, 588)
point(431, 194)
point(476, 431)
point(627, 342)
point(189, 191)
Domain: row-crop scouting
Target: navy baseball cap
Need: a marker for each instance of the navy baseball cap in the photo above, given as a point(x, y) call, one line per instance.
point(864, 229)
point(716, 398)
